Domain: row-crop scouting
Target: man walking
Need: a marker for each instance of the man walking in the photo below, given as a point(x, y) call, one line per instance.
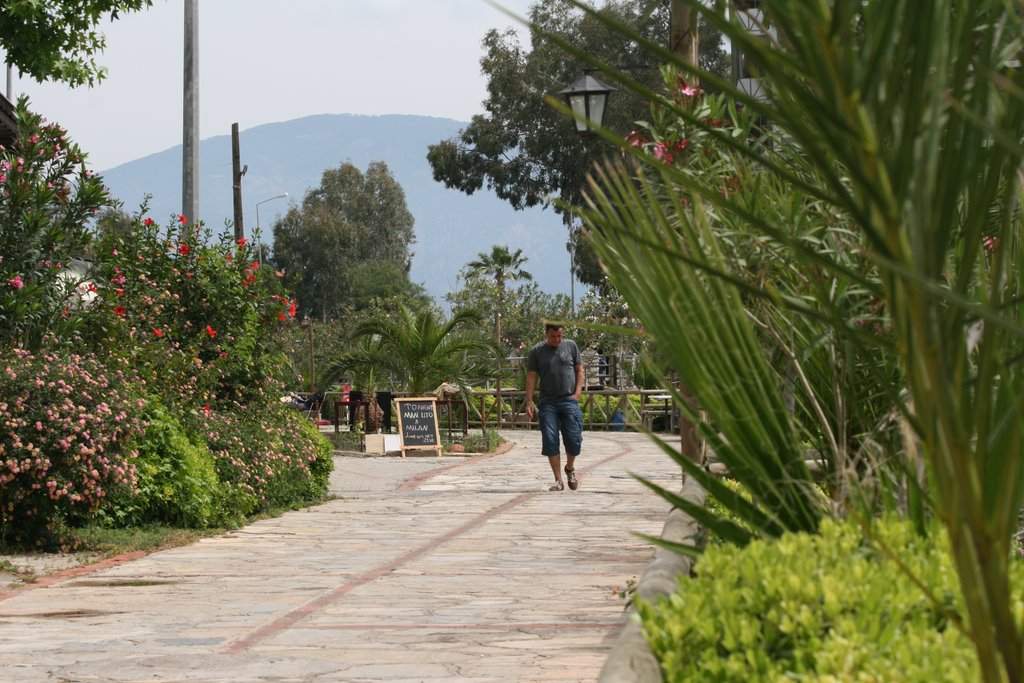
point(556, 362)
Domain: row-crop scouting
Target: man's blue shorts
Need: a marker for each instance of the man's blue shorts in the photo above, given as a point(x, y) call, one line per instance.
point(565, 416)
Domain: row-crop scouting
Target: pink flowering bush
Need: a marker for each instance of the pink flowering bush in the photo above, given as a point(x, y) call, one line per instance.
point(68, 436)
point(47, 199)
point(266, 460)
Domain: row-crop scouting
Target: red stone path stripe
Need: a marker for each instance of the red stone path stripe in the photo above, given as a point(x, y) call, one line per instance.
point(560, 625)
point(74, 572)
point(288, 619)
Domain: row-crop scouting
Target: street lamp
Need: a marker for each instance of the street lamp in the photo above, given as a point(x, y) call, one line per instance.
point(276, 196)
point(588, 99)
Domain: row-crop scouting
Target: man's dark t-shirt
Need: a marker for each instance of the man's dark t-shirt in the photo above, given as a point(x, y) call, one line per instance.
point(556, 366)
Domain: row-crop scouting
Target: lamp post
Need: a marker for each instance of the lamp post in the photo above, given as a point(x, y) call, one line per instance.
point(270, 199)
point(588, 100)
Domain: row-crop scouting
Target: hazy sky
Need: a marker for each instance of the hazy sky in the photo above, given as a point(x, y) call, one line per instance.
point(262, 61)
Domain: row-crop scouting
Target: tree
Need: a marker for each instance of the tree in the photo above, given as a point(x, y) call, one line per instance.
point(350, 220)
point(56, 40)
point(526, 151)
point(502, 265)
point(892, 191)
point(418, 349)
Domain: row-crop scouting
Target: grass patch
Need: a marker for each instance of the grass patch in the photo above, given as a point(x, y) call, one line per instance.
point(149, 538)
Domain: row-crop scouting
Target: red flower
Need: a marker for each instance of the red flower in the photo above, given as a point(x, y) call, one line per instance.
point(148, 221)
point(120, 311)
point(242, 241)
point(158, 332)
point(281, 316)
point(292, 308)
point(182, 220)
point(210, 331)
point(92, 287)
point(119, 291)
point(183, 249)
point(206, 408)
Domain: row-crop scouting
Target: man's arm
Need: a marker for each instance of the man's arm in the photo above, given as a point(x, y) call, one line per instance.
point(531, 384)
point(580, 382)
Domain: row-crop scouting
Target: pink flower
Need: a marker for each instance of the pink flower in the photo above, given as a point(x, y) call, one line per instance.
point(662, 153)
point(16, 282)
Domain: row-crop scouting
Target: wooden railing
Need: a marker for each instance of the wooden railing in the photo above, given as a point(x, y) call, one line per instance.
point(611, 409)
point(506, 409)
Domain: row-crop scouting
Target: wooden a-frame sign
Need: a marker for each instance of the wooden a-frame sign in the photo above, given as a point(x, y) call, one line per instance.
point(417, 424)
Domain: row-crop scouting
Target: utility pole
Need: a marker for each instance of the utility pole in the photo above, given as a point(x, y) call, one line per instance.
point(236, 184)
point(190, 119)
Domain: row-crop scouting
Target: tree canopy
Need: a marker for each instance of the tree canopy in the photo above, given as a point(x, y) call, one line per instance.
point(526, 151)
point(56, 40)
point(502, 265)
point(348, 241)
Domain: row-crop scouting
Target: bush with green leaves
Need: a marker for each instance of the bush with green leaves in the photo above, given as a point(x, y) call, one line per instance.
point(832, 606)
point(266, 457)
point(176, 478)
point(485, 442)
point(199, 314)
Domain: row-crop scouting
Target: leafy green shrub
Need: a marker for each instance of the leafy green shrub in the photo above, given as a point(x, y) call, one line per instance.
point(484, 442)
point(177, 481)
point(266, 457)
point(828, 607)
point(66, 441)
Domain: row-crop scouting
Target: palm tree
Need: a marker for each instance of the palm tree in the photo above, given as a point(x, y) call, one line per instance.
point(501, 265)
point(419, 348)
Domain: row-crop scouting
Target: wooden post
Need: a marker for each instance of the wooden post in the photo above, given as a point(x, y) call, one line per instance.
point(236, 182)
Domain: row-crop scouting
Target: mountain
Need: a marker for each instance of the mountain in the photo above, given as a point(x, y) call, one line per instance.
point(290, 156)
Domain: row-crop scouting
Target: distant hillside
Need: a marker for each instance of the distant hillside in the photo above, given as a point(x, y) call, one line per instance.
point(451, 228)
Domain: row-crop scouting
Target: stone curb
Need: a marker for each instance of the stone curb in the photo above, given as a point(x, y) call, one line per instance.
point(631, 660)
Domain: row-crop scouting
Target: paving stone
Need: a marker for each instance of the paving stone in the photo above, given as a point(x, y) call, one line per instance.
point(422, 569)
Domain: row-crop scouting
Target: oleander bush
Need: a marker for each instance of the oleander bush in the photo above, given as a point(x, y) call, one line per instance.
point(831, 606)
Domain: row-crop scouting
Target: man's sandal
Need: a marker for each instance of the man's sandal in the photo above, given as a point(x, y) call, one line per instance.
point(557, 486)
point(571, 476)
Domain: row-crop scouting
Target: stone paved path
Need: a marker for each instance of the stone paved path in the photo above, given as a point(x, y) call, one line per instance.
point(424, 569)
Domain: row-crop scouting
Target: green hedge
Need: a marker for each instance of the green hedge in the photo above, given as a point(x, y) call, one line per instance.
point(828, 607)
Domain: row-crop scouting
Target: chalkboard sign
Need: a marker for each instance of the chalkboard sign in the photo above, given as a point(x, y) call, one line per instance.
point(417, 424)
